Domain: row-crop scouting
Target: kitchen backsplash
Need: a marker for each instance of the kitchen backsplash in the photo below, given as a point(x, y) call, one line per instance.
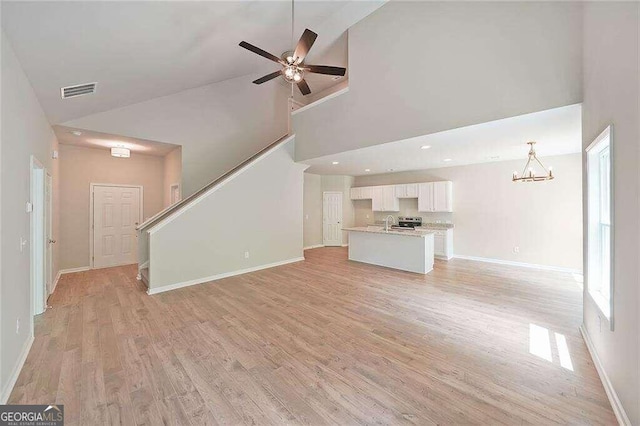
point(408, 207)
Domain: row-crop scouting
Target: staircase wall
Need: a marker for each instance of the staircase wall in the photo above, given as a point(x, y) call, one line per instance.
point(259, 211)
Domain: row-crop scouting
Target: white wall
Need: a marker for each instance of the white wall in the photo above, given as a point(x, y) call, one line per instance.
point(417, 68)
point(172, 173)
point(218, 126)
point(611, 93)
point(259, 211)
point(312, 210)
point(492, 214)
point(25, 132)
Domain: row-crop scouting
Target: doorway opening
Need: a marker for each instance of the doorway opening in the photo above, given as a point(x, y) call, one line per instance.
point(41, 236)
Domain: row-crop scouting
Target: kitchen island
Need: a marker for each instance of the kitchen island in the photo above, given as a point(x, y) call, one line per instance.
point(407, 250)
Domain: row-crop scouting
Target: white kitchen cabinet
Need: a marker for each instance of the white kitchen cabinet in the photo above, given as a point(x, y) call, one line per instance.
point(443, 196)
point(443, 243)
point(362, 193)
point(384, 199)
point(425, 197)
point(435, 197)
point(407, 190)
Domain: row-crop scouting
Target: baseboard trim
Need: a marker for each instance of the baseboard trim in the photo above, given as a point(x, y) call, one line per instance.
point(616, 405)
point(6, 392)
point(312, 247)
point(176, 286)
point(144, 265)
point(344, 245)
point(55, 282)
point(72, 270)
point(522, 264)
point(67, 271)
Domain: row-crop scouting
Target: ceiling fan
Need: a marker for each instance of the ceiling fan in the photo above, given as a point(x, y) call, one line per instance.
point(293, 66)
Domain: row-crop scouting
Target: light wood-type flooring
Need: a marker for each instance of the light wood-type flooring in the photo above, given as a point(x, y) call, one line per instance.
point(323, 341)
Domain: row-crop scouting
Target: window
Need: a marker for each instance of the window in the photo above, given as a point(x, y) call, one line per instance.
point(599, 247)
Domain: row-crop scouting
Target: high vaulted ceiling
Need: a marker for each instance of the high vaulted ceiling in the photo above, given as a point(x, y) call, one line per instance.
point(136, 51)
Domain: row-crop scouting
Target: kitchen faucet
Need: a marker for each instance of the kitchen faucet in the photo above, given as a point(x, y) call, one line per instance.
point(386, 223)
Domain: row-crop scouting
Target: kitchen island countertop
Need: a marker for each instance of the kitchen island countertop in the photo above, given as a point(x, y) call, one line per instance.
point(380, 230)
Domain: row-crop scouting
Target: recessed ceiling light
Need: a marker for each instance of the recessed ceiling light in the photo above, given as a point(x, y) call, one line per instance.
point(367, 170)
point(335, 162)
point(77, 133)
point(425, 147)
point(495, 157)
point(447, 159)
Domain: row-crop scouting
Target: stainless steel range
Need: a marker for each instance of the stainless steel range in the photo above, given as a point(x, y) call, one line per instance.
point(409, 222)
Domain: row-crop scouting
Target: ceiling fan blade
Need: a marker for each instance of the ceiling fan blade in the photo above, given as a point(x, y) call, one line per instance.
point(304, 45)
point(261, 52)
point(325, 69)
point(267, 77)
point(304, 87)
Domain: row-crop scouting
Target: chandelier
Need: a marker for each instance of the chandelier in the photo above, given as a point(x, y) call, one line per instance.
point(528, 173)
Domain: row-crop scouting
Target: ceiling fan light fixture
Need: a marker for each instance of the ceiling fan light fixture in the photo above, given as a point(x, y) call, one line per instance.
point(292, 62)
point(289, 72)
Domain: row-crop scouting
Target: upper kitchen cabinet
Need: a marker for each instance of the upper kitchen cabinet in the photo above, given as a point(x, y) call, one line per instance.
point(435, 197)
point(407, 190)
point(362, 193)
point(385, 199)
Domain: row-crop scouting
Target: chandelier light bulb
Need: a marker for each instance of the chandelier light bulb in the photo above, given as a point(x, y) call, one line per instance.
point(297, 77)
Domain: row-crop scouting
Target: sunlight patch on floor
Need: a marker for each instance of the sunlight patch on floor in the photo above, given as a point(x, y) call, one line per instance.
point(540, 342)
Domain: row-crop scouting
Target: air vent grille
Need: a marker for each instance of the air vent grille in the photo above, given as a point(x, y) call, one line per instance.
point(78, 90)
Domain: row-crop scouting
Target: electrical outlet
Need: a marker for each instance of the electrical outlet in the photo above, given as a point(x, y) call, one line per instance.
point(246, 254)
point(17, 325)
point(516, 249)
point(367, 216)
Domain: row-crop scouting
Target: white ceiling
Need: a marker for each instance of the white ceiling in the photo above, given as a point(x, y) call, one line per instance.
point(141, 50)
point(557, 131)
point(91, 139)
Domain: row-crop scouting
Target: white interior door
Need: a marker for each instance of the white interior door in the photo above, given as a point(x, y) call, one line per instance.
point(116, 213)
point(332, 218)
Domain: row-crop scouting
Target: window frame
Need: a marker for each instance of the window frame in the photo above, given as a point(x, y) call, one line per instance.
point(595, 294)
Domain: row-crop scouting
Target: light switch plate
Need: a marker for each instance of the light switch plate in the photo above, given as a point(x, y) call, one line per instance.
point(29, 207)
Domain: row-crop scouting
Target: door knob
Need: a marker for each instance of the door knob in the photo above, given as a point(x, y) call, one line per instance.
point(52, 241)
